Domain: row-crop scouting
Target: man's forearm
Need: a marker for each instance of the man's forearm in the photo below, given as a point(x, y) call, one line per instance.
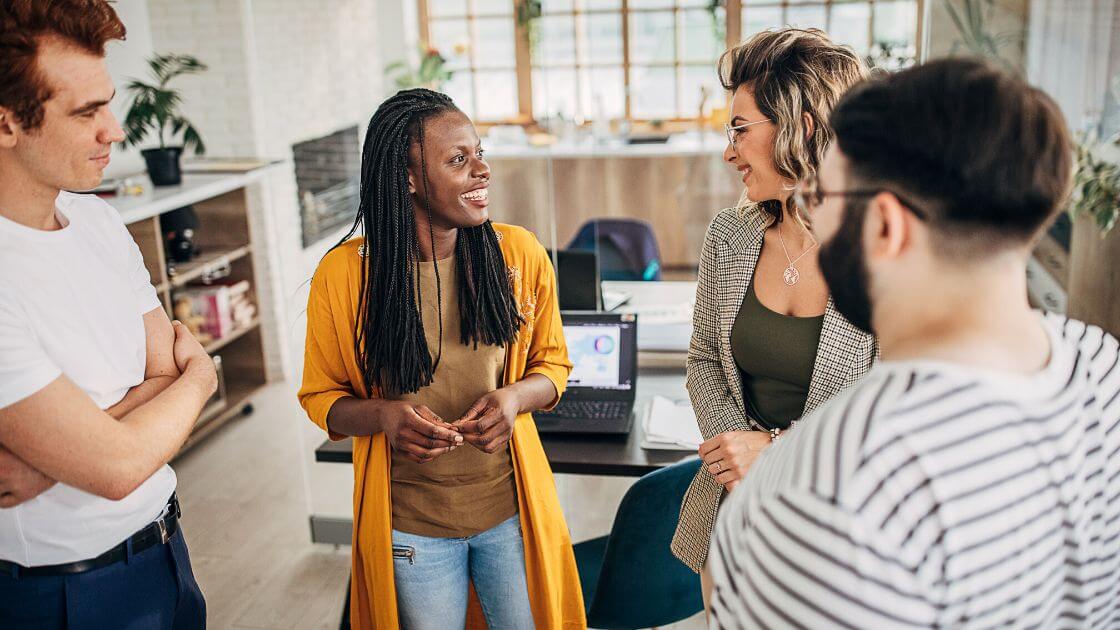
point(139, 395)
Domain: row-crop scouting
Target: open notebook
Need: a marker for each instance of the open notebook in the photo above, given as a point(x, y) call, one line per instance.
point(670, 425)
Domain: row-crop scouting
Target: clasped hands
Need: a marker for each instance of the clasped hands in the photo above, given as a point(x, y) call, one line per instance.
point(729, 455)
point(423, 436)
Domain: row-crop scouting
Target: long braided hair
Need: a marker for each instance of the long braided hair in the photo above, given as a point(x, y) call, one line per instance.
point(390, 341)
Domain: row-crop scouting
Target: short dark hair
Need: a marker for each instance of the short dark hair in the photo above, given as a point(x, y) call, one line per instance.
point(87, 24)
point(985, 155)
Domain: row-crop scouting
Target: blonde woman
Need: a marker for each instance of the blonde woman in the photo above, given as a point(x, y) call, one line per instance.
point(767, 345)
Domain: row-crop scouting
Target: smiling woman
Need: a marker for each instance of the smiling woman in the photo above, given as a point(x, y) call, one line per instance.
point(768, 344)
point(436, 332)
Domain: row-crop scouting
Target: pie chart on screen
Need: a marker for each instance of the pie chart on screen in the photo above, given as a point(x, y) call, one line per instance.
point(604, 345)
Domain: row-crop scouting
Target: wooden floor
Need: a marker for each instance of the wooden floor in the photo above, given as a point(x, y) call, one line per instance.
point(245, 514)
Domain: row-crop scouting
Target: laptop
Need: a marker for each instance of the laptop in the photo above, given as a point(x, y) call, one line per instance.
point(577, 279)
point(603, 348)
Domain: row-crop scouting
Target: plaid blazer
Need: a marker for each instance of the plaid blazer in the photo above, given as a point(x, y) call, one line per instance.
point(727, 261)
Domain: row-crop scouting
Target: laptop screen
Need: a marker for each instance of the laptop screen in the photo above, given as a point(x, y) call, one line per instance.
point(602, 349)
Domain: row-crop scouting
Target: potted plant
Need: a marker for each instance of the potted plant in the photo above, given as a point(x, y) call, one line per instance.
point(430, 74)
point(155, 110)
point(1096, 185)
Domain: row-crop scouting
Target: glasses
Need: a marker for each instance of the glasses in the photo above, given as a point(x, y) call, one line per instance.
point(733, 132)
point(810, 196)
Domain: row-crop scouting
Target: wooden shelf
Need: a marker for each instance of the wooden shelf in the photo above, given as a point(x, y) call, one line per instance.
point(185, 272)
point(218, 344)
point(221, 203)
point(214, 417)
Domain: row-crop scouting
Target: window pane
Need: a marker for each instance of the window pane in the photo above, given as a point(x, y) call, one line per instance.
point(653, 91)
point(603, 92)
point(849, 25)
point(450, 36)
point(650, 4)
point(602, 37)
point(460, 90)
point(437, 8)
point(495, 43)
point(756, 19)
point(808, 16)
point(896, 22)
point(554, 92)
point(896, 25)
point(493, 7)
point(701, 40)
point(651, 37)
point(594, 5)
point(553, 6)
point(497, 94)
point(557, 44)
point(692, 79)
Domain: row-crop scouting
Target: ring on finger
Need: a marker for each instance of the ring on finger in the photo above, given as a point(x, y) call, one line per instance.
point(719, 466)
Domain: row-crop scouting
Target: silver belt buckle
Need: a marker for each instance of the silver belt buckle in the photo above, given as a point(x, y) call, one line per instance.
point(163, 535)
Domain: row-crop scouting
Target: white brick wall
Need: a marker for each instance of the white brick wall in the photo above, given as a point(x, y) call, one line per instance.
point(281, 71)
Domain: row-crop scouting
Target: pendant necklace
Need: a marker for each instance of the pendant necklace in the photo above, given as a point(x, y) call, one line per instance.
point(791, 275)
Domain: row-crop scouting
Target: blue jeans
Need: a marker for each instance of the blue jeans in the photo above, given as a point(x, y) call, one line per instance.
point(151, 590)
point(432, 576)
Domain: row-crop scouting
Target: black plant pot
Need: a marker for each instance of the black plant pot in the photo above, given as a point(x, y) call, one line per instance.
point(163, 165)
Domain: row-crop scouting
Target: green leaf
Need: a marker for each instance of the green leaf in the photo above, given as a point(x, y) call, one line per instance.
point(191, 138)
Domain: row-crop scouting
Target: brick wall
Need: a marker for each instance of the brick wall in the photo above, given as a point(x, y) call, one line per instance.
point(281, 72)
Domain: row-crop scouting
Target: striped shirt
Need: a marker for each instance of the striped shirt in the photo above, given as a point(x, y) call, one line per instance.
point(933, 494)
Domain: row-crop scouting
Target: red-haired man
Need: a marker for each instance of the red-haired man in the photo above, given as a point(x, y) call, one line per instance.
point(98, 390)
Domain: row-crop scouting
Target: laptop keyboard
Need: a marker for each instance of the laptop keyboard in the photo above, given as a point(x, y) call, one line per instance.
point(588, 409)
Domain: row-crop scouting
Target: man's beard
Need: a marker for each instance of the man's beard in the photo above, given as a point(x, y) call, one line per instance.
point(845, 270)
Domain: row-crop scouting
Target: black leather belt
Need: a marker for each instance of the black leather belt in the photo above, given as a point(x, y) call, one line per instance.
point(156, 533)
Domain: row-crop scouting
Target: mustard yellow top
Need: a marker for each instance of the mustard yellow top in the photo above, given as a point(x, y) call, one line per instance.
point(331, 371)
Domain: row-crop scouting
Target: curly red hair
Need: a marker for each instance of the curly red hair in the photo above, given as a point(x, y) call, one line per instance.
point(87, 24)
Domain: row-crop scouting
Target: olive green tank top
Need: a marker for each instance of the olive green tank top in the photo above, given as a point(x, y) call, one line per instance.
point(775, 354)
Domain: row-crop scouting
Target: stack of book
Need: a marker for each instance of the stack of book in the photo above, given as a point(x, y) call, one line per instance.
point(217, 310)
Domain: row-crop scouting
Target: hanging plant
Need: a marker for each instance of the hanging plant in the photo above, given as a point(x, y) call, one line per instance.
point(528, 16)
point(719, 27)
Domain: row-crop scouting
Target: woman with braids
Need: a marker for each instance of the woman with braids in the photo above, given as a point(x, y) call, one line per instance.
point(430, 341)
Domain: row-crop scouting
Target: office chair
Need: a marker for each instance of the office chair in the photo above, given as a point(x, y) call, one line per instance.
point(627, 248)
point(630, 578)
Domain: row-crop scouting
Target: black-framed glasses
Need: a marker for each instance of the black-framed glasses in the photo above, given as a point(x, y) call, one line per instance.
point(810, 196)
point(733, 132)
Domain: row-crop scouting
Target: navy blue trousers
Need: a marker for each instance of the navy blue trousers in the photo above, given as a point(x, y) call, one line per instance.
point(153, 589)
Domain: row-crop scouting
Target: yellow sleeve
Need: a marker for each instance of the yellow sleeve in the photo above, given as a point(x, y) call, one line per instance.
point(325, 378)
point(548, 352)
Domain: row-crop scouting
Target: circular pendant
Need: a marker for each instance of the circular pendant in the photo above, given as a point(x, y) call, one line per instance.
point(790, 275)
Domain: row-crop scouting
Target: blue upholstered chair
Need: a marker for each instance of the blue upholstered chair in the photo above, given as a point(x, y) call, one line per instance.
point(630, 578)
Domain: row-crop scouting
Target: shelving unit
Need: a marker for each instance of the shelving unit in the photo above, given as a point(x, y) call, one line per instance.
point(224, 239)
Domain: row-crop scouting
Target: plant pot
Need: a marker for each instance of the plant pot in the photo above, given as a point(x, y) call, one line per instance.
point(163, 165)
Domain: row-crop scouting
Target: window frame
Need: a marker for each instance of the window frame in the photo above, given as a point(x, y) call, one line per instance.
point(733, 35)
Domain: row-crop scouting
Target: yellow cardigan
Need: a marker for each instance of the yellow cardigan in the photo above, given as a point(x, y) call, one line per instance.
point(331, 372)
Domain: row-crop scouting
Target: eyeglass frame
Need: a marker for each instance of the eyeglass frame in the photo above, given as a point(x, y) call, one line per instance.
point(801, 197)
point(729, 130)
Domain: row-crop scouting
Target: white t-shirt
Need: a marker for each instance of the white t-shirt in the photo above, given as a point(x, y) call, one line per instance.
point(72, 302)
